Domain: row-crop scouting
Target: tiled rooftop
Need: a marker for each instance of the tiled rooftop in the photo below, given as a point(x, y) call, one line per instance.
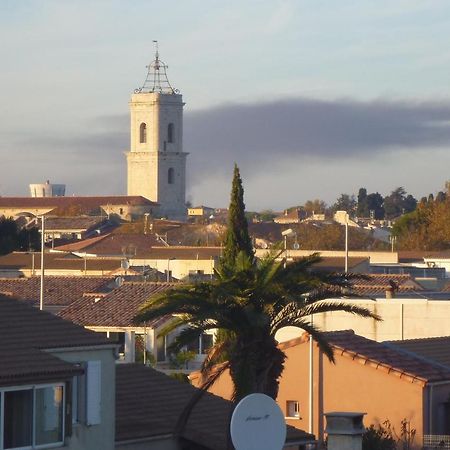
point(381, 356)
point(433, 349)
point(139, 246)
point(63, 202)
point(114, 244)
point(57, 261)
point(72, 223)
point(58, 291)
point(25, 332)
point(148, 403)
point(378, 283)
point(117, 308)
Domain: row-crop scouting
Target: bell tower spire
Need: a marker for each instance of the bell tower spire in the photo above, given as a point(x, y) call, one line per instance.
point(157, 80)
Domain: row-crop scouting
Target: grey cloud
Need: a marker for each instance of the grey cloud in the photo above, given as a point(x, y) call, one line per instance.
point(259, 134)
point(254, 135)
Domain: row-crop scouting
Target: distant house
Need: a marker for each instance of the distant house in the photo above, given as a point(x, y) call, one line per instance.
point(57, 382)
point(288, 217)
point(149, 403)
point(112, 314)
point(28, 264)
point(146, 251)
point(124, 207)
point(200, 211)
point(386, 382)
point(71, 228)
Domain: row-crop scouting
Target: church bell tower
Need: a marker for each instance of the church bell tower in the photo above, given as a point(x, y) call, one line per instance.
point(156, 161)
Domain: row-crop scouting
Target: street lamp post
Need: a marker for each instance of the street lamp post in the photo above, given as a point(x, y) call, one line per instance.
point(346, 243)
point(41, 293)
point(285, 234)
point(168, 269)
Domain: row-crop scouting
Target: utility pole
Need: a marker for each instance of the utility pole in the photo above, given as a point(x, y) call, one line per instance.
point(41, 296)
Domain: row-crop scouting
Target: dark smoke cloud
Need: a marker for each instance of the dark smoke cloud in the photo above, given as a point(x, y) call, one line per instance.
point(260, 133)
point(254, 135)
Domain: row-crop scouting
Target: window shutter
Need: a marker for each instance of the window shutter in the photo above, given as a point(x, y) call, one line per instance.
point(93, 393)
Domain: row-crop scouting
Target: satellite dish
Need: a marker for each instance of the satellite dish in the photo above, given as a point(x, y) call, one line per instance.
point(296, 246)
point(118, 281)
point(257, 423)
point(125, 264)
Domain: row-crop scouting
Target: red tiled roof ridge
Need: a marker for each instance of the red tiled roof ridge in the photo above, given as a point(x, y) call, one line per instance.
point(305, 336)
point(431, 338)
point(353, 355)
point(81, 244)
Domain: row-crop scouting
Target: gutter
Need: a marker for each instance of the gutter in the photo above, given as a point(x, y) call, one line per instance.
point(80, 348)
point(144, 439)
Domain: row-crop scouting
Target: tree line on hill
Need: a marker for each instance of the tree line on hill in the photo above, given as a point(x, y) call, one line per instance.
point(365, 205)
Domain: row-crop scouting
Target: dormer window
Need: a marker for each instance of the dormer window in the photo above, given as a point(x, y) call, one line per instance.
point(170, 133)
point(143, 133)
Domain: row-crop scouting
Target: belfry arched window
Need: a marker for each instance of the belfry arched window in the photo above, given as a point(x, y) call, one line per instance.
point(170, 133)
point(171, 176)
point(143, 133)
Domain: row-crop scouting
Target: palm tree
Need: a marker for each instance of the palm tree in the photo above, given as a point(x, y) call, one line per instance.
point(249, 302)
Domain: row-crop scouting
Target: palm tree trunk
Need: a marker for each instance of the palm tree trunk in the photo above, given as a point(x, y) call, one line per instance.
point(255, 367)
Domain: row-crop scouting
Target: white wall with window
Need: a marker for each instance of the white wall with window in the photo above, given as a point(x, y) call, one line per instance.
point(92, 399)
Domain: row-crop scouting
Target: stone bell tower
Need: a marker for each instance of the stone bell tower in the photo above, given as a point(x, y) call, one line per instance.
point(156, 161)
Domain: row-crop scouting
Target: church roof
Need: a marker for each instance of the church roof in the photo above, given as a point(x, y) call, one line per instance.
point(88, 201)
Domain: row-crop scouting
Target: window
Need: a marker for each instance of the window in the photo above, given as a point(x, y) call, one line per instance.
point(171, 176)
point(293, 409)
point(143, 133)
point(170, 133)
point(32, 416)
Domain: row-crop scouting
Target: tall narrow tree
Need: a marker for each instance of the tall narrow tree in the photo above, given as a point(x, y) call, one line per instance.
point(237, 239)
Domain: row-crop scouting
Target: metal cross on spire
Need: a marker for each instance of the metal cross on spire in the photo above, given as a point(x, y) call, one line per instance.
point(156, 80)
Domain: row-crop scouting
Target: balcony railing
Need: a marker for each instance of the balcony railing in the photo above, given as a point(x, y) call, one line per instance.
point(436, 442)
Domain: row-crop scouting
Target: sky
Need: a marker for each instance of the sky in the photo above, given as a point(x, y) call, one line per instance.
point(310, 98)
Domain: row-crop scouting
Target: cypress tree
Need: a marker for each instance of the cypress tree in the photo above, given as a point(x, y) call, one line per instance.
point(237, 239)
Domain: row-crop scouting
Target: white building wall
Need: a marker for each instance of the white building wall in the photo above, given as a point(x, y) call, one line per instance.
point(402, 319)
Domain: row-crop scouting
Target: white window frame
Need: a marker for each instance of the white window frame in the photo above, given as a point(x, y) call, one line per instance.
point(296, 407)
point(32, 387)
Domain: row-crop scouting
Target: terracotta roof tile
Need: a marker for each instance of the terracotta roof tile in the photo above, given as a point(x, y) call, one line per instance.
point(87, 202)
point(116, 309)
point(58, 291)
point(375, 284)
point(72, 223)
point(25, 332)
point(148, 403)
point(435, 349)
point(57, 261)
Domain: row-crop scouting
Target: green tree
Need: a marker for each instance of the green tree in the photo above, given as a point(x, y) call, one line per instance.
point(375, 204)
point(12, 238)
point(398, 203)
point(251, 303)
point(345, 202)
point(314, 206)
point(362, 209)
point(237, 238)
